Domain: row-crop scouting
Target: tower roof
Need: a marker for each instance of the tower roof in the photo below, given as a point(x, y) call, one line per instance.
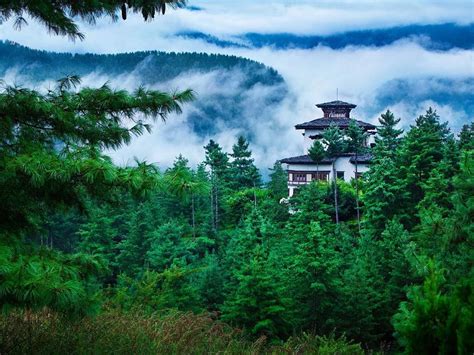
point(336, 103)
point(343, 123)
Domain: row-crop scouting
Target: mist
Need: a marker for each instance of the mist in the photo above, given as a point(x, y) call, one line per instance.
point(404, 76)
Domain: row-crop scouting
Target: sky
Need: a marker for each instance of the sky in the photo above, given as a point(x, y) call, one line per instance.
point(313, 75)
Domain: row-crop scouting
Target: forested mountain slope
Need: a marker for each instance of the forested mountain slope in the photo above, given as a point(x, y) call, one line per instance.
point(237, 75)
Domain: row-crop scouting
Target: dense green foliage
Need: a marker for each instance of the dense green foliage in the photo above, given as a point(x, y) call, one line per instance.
point(59, 16)
point(106, 259)
point(80, 234)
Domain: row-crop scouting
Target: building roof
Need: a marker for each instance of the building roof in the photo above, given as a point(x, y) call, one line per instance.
point(336, 103)
point(363, 158)
point(306, 159)
point(324, 122)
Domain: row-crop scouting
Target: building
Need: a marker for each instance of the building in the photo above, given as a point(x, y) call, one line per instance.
point(302, 169)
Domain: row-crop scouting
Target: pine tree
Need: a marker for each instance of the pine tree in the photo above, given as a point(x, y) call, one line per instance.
point(134, 247)
point(434, 321)
point(99, 236)
point(167, 244)
point(278, 184)
point(218, 162)
point(59, 17)
point(255, 304)
point(242, 169)
point(357, 139)
point(51, 155)
point(335, 145)
point(466, 137)
point(385, 193)
point(184, 183)
point(422, 151)
point(388, 138)
point(317, 154)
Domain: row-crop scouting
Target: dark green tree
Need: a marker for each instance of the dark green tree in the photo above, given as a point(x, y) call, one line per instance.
point(243, 171)
point(186, 185)
point(356, 143)
point(278, 184)
point(51, 151)
point(317, 153)
point(335, 145)
point(218, 163)
point(422, 151)
point(59, 17)
point(388, 138)
point(255, 304)
point(434, 321)
point(466, 137)
point(384, 191)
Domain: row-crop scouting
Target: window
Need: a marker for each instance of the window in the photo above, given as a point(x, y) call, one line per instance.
point(340, 175)
point(321, 175)
point(299, 177)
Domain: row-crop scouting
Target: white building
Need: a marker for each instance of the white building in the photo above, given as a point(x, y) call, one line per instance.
point(302, 169)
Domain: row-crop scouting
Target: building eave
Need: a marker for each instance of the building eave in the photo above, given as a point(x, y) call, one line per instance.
point(324, 122)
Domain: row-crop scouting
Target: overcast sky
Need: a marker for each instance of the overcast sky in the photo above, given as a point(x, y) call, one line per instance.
point(313, 75)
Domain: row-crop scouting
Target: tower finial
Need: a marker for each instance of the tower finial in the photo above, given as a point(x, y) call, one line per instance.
point(337, 94)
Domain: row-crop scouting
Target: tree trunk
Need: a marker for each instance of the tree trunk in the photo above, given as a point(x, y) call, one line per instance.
point(217, 207)
point(357, 190)
point(192, 216)
point(213, 193)
point(254, 195)
point(334, 178)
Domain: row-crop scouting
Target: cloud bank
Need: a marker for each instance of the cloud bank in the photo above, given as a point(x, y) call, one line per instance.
point(403, 76)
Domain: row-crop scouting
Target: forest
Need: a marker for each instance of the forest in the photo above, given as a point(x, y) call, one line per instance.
point(86, 241)
point(101, 258)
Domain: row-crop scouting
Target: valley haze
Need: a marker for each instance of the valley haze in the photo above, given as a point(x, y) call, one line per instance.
point(315, 46)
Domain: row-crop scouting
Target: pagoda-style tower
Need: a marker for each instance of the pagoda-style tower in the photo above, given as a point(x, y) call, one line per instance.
point(302, 169)
point(339, 109)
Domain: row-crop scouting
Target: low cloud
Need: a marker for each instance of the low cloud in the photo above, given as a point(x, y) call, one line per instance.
point(361, 75)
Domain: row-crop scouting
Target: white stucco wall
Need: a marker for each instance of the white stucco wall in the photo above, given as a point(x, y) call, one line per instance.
point(308, 142)
point(341, 164)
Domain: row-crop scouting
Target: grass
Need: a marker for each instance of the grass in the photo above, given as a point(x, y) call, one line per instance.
point(26, 332)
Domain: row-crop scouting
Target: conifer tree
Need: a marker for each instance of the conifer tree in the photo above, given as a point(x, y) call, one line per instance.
point(134, 247)
point(59, 16)
point(278, 185)
point(255, 304)
point(335, 145)
point(99, 236)
point(242, 169)
point(385, 193)
point(357, 139)
point(317, 154)
point(167, 244)
point(422, 151)
point(218, 163)
point(434, 321)
point(388, 138)
point(183, 182)
point(466, 137)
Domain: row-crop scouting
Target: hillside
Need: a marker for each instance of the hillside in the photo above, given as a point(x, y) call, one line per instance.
point(222, 81)
point(438, 37)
